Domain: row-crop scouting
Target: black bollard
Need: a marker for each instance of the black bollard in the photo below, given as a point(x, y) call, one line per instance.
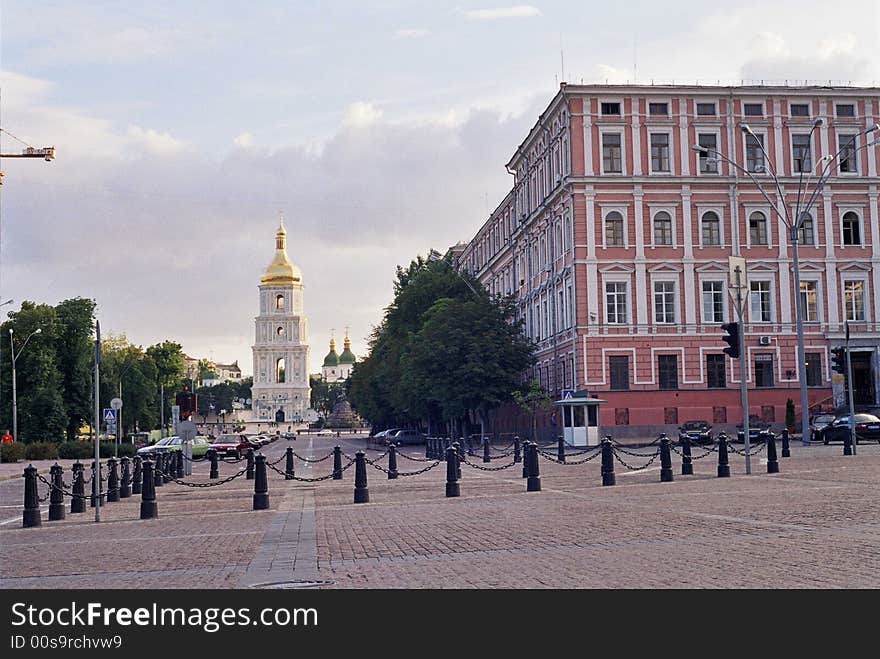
point(786, 451)
point(337, 463)
point(665, 460)
point(392, 462)
point(687, 465)
point(168, 467)
point(56, 494)
point(723, 463)
point(453, 489)
point(125, 482)
point(486, 457)
point(149, 508)
point(212, 458)
point(516, 455)
point(96, 484)
point(112, 481)
point(533, 484)
point(249, 472)
point(560, 449)
point(137, 474)
point(288, 465)
point(608, 477)
point(180, 470)
point(772, 462)
point(525, 461)
point(159, 462)
point(78, 501)
point(31, 514)
point(459, 456)
point(361, 491)
point(261, 485)
point(847, 444)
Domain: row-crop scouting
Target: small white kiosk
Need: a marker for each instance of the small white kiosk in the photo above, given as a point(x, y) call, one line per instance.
point(580, 417)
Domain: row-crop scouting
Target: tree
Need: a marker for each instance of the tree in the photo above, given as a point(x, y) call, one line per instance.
point(75, 352)
point(170, 367)
point(324, 394)
point(205, 371)
point(531, 398)
point(122, 361)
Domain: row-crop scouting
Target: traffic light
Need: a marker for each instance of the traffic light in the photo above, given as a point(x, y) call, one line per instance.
point(838, 360)
point(731, 339)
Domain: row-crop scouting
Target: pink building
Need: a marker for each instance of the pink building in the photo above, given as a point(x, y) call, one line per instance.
point(616, 234)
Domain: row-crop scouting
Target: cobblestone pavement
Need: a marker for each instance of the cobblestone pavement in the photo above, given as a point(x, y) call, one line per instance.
point(814, 525)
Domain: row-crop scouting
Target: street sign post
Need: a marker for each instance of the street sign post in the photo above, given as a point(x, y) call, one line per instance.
point(116, 404)
point(567, 393)
point(737, 287)
point(187, 431)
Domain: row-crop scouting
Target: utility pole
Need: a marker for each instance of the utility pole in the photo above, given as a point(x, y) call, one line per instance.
point(96, 476)
point(743, 387)
point(849, 387)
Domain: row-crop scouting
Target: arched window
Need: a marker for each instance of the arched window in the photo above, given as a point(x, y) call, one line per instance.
point(614, 229)
point(662, 228)
point(280, 331)
point(279, 301)
point(758, 228)
point(279, 371)
point(851, 229)
point(805, 232)
point(710, 228)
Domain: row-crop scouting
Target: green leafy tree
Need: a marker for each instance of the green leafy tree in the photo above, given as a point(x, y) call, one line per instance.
point(324, 394)
point(170, 367)
point(531, 398)
point(75, 350)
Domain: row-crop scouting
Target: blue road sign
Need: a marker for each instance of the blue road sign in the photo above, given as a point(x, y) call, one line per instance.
point(109, 415)
point(567, 393)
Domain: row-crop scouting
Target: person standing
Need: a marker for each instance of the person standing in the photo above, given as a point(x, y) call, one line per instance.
point(6, 438)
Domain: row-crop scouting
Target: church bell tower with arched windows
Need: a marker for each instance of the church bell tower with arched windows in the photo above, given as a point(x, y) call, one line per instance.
point(281, 352)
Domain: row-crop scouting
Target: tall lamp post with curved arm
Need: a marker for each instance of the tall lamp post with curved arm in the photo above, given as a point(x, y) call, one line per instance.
point(15, 356)
point(795, 224)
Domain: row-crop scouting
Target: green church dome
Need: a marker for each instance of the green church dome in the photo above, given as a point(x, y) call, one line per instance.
point(332, 359)
point(347, 356)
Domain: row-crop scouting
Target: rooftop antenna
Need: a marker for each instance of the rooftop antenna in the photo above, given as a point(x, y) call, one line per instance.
point(561, 59)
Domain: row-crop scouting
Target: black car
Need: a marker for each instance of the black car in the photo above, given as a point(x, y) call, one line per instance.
point(867, 429)
point(699, 432)
point(757, 425)
point(818, 423)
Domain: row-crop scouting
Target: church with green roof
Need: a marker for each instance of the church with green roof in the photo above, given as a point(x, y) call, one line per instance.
point(337, 367)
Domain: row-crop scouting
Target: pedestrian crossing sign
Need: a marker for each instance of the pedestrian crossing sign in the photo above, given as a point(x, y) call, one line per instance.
point(109, 415)
point(567, 394)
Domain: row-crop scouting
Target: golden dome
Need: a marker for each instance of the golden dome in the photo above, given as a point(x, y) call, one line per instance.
point(281, 270)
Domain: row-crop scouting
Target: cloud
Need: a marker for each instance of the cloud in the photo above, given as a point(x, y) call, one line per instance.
point(153, 141)
point(837, 57)
point(244, 140)
point(361, 114)
point(411, 33)
point(518, 11)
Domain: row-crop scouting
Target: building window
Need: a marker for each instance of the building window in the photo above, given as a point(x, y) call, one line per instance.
point(808, 302)
point(659, 152)
point(614, 229)
point(716, 376)
point(799, 109)
point(710, 229)
point(655, 109)
point(814, 369)
point(615, 302)
point(757, 228)
point(764, 370)
point(754, 153)
point(706, 109)
point(619, 367)
point(280, 331)
point(667, 371)
point(279, 301)
point(802, 158)
point(846, 110)
point(708, 159)
point(847, 162)
point(805, 231)
point(753, 109)
point(854, 299)
point(280, 371)
point(851, 229)
point(664, 301)
point(611, 109)
point(713, 301)
point(611, 160)
point(662, 228)
point(759, 301)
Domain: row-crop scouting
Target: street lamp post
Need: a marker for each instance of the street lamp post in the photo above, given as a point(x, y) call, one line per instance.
point(794, 226)
point(14, 394)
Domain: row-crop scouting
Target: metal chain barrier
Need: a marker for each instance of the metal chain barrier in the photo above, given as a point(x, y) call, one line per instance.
point(329, 455)
point(215, 484)
point(553, 458)
point(693, 457)
point(376, 459)
point(308, 480)
point(482, 468)
point(630, 467)
point(637, 455)
point(405, 473)
point(409, 457)
point(755, 452)
point(64, 489)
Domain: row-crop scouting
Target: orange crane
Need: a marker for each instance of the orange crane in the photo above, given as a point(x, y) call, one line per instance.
point(46, 153)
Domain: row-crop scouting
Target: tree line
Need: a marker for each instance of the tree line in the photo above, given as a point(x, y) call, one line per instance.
point(444, 355)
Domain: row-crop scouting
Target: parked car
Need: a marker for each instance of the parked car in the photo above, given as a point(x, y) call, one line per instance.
point(382, 434)
point(326, 432)
point(867, 429)
point(818, 423)
point(158, 447)
point(403, 437)
point(234, 445)
point(200, 446)
point(699, 432)
point(757, 425)
point(258, 441)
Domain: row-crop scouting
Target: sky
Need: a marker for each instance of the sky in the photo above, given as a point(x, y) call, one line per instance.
point(379, 129)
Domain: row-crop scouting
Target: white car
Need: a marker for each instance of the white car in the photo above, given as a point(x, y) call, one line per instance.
point(326, 432)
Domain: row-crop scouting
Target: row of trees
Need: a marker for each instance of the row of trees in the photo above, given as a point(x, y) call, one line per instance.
point(54, 373)
point(444, 353)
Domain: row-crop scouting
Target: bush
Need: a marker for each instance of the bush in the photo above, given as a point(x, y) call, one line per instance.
point(789, 414)
point(11, 451)
point(41, 451)
point(76, 450)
